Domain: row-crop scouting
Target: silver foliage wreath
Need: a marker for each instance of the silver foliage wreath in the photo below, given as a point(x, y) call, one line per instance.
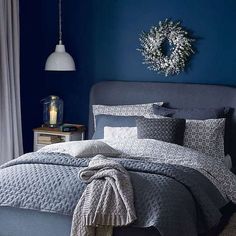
point(152, 47)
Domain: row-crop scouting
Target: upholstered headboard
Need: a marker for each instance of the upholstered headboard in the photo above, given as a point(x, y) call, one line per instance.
point(177, 95)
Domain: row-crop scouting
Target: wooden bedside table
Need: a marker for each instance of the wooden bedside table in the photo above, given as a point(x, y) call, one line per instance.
point(44, 136)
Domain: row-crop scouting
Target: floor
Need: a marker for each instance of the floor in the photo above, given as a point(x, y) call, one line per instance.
point(230, 229)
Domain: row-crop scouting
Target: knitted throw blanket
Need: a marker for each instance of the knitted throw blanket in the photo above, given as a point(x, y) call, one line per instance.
point(107, 200)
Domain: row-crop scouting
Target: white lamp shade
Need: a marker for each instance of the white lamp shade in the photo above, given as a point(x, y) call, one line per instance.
point(60, 60)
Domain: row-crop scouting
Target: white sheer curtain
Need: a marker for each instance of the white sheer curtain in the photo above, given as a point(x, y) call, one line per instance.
point(10, 112)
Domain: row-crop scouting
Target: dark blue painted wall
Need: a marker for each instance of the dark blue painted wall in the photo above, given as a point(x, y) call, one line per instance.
point(102, 36)
point(39, 35)
point(118, 24)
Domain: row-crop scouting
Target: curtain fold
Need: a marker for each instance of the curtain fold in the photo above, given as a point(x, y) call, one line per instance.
point(10, 110)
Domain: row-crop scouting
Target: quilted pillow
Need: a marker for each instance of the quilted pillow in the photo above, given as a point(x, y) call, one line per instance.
point(169, 130)
point(206, 136)
point(125, 110)
point(87, 148)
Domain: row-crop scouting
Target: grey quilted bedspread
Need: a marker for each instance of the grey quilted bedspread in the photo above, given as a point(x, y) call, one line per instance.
point(176, 200)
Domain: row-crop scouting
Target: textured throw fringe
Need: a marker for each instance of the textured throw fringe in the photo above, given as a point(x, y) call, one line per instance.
point(107, 219)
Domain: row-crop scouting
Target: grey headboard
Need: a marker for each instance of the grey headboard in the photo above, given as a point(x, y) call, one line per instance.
point(177, 95)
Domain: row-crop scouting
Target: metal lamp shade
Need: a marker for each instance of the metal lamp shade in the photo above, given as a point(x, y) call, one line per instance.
point(60, 60)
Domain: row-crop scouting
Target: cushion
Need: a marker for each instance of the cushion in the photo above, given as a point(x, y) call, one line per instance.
point(112, 121)
point(206, 136)
point(87, 148)
point(125, 110)
point(192, 113)
point(200, 114)
point(114, 133)
point(169, 130)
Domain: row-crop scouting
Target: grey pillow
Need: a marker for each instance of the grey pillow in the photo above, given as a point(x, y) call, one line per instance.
point(125, 110)
point(169, 130)
point(81, 149)
point(201, 114)
point(206, 136)
point(192, 113)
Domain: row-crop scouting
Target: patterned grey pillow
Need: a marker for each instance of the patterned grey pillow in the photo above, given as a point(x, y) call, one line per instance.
point(126, 110)
point(170, 130)
point(206, 136)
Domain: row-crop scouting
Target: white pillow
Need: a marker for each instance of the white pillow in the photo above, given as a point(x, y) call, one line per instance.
point(87, 148)
point(113, 133)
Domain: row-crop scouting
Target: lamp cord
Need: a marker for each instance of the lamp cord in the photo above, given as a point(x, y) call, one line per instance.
point(60, 22)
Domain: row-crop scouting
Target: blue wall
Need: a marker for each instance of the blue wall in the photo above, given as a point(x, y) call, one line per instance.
point(118, 24)
point(102, 36)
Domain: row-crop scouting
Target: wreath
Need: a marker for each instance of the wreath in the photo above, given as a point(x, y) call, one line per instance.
point(152, 47)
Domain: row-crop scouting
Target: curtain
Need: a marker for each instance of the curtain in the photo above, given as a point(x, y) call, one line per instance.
point(10, 112)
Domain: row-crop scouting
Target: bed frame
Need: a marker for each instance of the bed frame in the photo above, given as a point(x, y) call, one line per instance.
point(176, 95)
point(18, 222)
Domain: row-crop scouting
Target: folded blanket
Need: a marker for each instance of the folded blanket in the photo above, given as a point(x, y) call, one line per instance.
point(107, 199)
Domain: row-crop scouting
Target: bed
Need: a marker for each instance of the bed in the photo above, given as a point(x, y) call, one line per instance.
point(21, 222)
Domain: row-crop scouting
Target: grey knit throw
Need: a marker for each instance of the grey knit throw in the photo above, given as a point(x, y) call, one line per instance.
point(107, 200)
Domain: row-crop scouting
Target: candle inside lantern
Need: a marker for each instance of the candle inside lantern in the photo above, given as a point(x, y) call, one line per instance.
point(53, 115)
point(52, 111)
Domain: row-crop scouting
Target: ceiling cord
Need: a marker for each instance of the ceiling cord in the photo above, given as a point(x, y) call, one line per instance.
point(60, 22)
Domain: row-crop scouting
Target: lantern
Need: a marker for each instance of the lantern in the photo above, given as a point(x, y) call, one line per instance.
point(52, 111)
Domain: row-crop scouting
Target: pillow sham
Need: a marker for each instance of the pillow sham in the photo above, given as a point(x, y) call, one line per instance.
point(125, 110)
point(80, 149)
point(201, 114)
point(192, 113)
point(169, 130)
point(118, 133)
point(206, 136)
point(112, 121)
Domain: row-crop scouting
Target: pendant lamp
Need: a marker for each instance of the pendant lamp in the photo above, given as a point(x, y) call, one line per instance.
point(60, 60)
